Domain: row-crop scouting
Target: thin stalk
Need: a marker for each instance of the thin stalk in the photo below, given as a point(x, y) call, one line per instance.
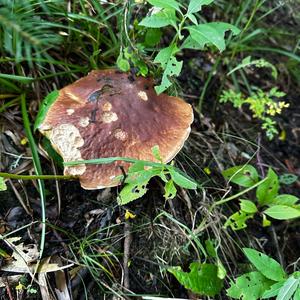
point(35, 177)
point(38, 170)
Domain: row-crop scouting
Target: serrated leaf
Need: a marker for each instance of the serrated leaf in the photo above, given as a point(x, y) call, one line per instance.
point(196, 5)
point(288, 289)
point(268, 190)
point(245, 176)
point(202, 278)
point(269, 267)
point(165, 4)
point(250, 286)
point(160, 19)
point(282, 212)
point(182, 180)
point(170, 190)
point(46, 104)
point(273, 290)
point(189, 43)
point(248, 206)
point(3, 186)
point(172, 67)
point(238, 220)
point(211, 33)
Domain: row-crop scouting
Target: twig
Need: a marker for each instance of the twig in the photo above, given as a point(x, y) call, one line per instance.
point(10, 296)
point(127, 242)
point(259, 161)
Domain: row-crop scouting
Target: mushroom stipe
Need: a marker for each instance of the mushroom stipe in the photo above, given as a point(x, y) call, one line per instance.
point(106, 114)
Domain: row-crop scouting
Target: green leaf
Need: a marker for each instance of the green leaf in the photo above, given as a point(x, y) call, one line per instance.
point(250, 286)
point(245, 176)
point(297, 294)
point(248, 206)
point(288, 179)
point(196, 5)
point(189, 43)
point(282, 212)
point(192, 18)
point(165, 4)
point(288, 289)
point(170, 190)
point(273, 290)
point(3, 186)
point(46, 104)
point(268, 190)
point(238, 220)
point(160, 19)
point(156, 153)
point(182, 180)
point(123, 63)
point(131, 192)
point(171, 66)
point(202, 278)
point(210, 248)
point(269, 267)
point(211, 33)
point(284, 199)
point(152, 37)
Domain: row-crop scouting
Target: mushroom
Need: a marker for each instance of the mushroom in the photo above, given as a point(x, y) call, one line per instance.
point(112, 114)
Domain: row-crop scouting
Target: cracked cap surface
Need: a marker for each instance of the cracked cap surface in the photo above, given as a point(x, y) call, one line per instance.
point(109, 114)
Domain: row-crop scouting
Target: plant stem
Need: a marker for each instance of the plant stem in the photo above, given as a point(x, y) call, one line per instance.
point(35, 177)
point(38, 170)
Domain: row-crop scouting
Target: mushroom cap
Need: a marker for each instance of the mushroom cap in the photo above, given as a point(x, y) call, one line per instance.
point(111, 114)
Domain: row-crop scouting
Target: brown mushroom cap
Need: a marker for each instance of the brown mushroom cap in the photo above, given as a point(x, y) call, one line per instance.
point(109, 114)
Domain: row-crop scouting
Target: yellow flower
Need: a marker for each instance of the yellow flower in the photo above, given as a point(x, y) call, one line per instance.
point(129, 215)
point(20, 287)
point(207, 170)
point(24, 141)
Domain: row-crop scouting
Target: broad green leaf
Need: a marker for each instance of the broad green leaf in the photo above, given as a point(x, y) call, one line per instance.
point(152, 37)
point(250, 286)
point(297, 294)
point(238, 220)
point(248, 206)
point(282, 212)
point(170, 190)
point(46, 104)
point(245, 176)
point(182, 180)
point(141, 176)
point(196, 5)
point(288, 179)
point(165, 4)
point(211, 33)
point(202, 278)
point(3, 186)
point(284, 199)
point(269, 267)
point(123, 63)
point(268, 190)
point(131, 192)
point(288, 289)
point(189, 43)
point(172, 67)
point(160, 19)
point(273, 290)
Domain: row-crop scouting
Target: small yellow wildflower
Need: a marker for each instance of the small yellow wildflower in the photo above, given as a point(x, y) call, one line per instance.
point(24, 141)
point(129, 215)
point(282, 135)
point(207, 170)
point(20, 287)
